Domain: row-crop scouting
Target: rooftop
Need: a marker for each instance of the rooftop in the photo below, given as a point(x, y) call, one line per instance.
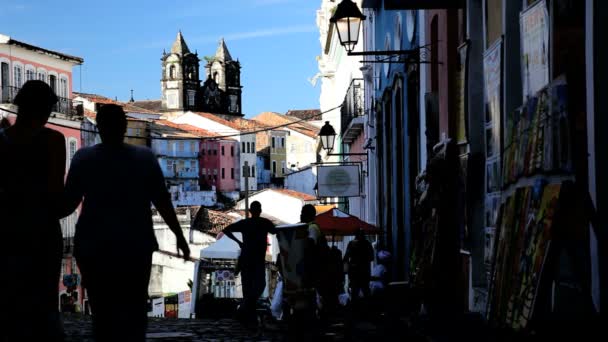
point(10, 41)
point(211, 221)
point(295, 124)
point(305, 114)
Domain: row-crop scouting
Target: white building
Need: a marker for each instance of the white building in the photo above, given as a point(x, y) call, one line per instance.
point(170, 273)
point(285, 205)
point(336, 69)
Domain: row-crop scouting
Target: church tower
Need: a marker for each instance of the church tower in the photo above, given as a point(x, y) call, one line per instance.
point(180, 77)
point(226, 73)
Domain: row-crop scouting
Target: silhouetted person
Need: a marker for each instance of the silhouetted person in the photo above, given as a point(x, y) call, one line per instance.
point(308, 215)
point(114, 238)
point(255, 232)
point(359, 254)
point(32, 159)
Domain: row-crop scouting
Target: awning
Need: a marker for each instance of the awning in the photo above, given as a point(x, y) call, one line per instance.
point(339, 223)
point(223, 248)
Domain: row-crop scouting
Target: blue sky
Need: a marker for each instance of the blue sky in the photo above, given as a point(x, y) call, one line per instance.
point(121, 42)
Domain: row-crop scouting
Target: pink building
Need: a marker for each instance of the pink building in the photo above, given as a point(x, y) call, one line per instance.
point(19, 63)
point(219, 165)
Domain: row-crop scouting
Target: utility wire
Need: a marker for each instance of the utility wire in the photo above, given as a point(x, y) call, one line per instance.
point(198, 138)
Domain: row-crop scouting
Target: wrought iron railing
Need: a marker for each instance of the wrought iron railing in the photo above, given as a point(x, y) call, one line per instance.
point(64, 105)
point(353, 103)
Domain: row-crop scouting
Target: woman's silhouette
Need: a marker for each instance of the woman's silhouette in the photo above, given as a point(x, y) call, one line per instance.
point(31, 183)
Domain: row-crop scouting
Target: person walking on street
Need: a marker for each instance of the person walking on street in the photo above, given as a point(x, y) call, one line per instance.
point(255, 232)
point(31, 185)
point(358, 257)
point(114, 238)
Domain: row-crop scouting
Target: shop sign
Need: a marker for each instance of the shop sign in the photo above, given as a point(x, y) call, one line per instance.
point(339, 181)
point(534, 25)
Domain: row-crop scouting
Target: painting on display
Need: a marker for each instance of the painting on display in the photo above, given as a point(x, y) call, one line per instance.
point(534, 25)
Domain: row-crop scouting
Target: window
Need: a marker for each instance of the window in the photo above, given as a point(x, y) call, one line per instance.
point(30, 74)
point(204, 172)
point(193, 165)
point(282, 142)
point(243, 147)
point(53, 82)
point(274, 167)
point(192, 146)
point(273, 144)
point(232, 173)
point(63, 87)
point(215, 152)
point(283, 167)
point(180, 166)
point(73, 147)
point(18, 76)
point(170, 165)
point(172, 71)
point(210, 152)
point(215, 172)
point(215, 177)
point(232, 151)
point(248, 147)
point(223, 174)
point(180, 146)
point(253, 147)
point(222, 150)
point(253, 171)
point(42, 76)
point(191, 94)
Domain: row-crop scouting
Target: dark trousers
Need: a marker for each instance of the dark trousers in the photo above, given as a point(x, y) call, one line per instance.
point(253, 279)
point(117, 288)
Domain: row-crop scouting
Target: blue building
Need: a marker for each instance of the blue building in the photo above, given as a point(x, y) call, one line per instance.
point(391, 93)
point(178, 155)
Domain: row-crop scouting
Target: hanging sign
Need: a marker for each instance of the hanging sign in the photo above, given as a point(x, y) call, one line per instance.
point(534, 25)
point(339, 181)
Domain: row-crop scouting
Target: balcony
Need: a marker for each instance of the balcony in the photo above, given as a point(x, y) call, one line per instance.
point(184, 174)
point(163, 152)
point(64, 105)
point(352, 112)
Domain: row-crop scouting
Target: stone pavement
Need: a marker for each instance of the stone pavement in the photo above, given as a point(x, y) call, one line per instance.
point(79, 328)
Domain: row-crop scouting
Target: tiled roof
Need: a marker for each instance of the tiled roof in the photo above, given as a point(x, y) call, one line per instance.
point(153, 105)
point(128, 107)
point(275, 119)
point(170, 131)
point(211, 221)
point(306, 114)
point(187, 128)
point(239, 124)
point(97, 98)
point(296, 194)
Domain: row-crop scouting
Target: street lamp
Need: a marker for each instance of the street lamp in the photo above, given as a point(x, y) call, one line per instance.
point(347, 19)
point(328, 139)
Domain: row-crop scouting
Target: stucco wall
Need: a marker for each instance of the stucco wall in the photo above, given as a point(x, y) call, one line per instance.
point(303, 180)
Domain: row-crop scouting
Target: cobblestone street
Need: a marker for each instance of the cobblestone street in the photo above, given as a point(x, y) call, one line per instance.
point(79, 328)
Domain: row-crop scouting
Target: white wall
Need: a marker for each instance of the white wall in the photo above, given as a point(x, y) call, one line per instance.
point(284, 208)
point(336, 67)
point(194, 198)
point(301, 157)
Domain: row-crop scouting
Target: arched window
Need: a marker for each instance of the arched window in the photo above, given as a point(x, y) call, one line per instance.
point(172, 71)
